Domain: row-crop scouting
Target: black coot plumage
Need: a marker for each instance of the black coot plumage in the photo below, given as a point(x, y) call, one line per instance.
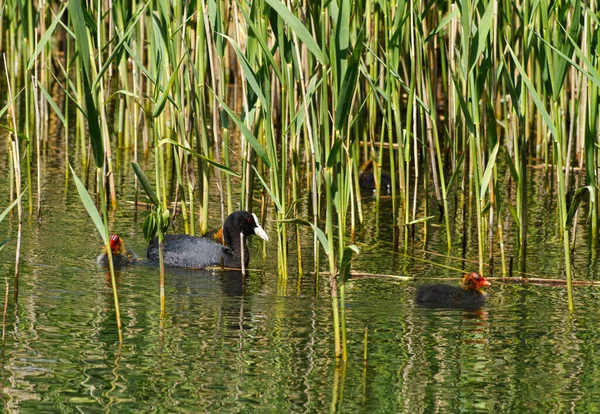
point(469, 294)
point(181, 250)
point(121, 255)
point(366, 180)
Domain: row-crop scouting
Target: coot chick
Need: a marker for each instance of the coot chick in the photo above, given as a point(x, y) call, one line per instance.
point(469, 295)
point(121, 255)
point(366, 180)
point(181, 250)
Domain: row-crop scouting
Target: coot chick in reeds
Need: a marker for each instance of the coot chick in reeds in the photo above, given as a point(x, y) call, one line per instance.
point(121, 255)
point(366, 180)
point(469, 295)
point(181, 250)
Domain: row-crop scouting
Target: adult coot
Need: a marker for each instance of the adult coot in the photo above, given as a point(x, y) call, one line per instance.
point(121, 255)
point(469, 294)
point(181, 250)
point(366, 180)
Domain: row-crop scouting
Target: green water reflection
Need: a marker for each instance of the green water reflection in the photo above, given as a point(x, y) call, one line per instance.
point(234, 345)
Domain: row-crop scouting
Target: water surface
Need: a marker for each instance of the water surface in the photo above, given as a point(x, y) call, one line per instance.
point(234, 344)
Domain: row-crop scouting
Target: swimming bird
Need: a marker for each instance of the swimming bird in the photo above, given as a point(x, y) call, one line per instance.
point(366, 179)
point(121, 255)
point(469, 294)
point(181, 250)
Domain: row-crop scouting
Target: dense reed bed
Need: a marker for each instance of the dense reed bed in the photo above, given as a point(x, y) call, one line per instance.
point(281, 102)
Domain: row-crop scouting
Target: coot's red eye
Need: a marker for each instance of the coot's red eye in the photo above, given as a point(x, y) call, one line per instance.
point(250, 220)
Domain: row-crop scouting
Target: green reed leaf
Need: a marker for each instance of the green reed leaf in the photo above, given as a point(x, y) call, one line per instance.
point(162, 100)
point(483, 30)
point(349, 83)
point(8, 105)
point(457, 169)
point(156, 223)
point(248, 72)
point(514, 214)
point(143, 179)
point(53, 104)
point(511, 167)
point(263, 45)
point(345, 260)
point(45, 38)
point(273, 196)
point(535, 96)
point(260, 152)
point(341, 19)
point(589, 71)
point(560, 65)
point(320, 235)
point(463, 105)
point(124, 38)
point(299, 29)
point(334, 153)
point(578, 197)
point(443, 23)
point(489, 169)
point(78, 19)
point(215, 164)
point(90, 206)
point(93, 125)
point(133, 55)
point(9, 208)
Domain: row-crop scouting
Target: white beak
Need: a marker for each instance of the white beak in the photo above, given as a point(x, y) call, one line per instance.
point(259, 231)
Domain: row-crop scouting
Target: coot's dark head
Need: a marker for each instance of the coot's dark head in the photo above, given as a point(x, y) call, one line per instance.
point(241, 222)
point(474, 282)
point(366, 179)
